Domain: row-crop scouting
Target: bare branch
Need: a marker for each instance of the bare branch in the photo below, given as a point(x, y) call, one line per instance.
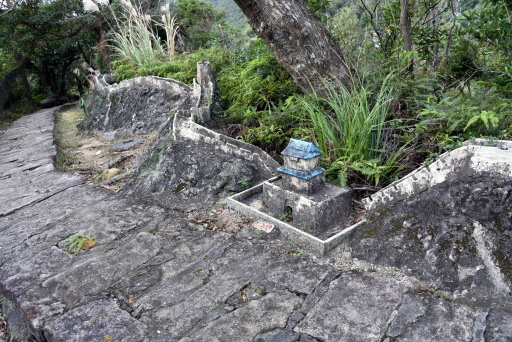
point(7, 6)
point(370, 15)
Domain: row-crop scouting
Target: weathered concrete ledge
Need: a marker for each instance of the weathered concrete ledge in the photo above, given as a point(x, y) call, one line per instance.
point(501, 144)
point(469, 159)
point(188, 129)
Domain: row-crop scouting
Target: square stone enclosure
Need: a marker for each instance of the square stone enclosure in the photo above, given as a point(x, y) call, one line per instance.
point(321, 210)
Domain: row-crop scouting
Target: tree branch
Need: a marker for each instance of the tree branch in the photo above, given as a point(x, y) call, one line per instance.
point(4, 5)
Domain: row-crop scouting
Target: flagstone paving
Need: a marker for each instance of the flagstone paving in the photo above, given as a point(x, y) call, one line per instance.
point(154, 276)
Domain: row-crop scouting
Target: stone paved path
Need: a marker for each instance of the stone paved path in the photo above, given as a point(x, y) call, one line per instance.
point(154, 277)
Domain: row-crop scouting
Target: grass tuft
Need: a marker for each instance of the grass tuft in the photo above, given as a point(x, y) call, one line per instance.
point(67, 136)
point(349, 128)
point(136, 39)
point(78, 242)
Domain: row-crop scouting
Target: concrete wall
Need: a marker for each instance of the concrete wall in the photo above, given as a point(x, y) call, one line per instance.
point(459, 163)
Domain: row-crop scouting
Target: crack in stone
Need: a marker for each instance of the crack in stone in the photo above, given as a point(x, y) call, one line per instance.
point(311, 300)
point(390, 321)
point(297, 293)
point(36, 201)
point(32, 168)
point(311, 338)
point(480, 324)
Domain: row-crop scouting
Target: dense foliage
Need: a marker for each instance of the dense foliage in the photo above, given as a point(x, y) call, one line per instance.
point(39, 43)
point(410, 103)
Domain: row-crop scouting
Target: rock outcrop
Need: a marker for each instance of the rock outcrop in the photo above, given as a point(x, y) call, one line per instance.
point(136, 106)
point(143, 104)
point(188, 165)
point(449, 223)
point(192, 166)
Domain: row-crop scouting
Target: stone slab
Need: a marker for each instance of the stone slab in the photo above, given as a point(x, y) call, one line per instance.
point(267, 314)
point(356, 312)
point(100, 320)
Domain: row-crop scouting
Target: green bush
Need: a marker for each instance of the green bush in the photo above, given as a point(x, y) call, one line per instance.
point(464, 116)
point(182, 68)
point(276, 126)
point(254, 85)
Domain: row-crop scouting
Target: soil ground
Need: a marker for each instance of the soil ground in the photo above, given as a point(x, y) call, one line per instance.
point(91, 155)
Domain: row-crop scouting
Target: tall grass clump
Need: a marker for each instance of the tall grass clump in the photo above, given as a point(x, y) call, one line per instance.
point(135, 38)
point(349, 128)
point(170, 26)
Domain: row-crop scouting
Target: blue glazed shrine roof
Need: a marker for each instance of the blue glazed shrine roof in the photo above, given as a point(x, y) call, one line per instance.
point(300, 174)
point(301, 149)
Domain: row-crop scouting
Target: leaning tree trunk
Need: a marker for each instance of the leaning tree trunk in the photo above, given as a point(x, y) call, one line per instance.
point(299, 41)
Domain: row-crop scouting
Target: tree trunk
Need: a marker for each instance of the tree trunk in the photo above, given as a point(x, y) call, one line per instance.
point(27, 92)
point(50, 79)
point(299, 41)
point(9, 81)
point(405, 24)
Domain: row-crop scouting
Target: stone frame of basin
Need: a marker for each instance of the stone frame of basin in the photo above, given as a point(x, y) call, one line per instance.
point(305, 240)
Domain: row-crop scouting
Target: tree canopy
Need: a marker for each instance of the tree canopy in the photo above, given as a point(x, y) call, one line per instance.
point(45, 38)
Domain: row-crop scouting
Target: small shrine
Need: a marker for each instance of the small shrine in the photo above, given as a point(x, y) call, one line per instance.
point(301, 195)
point(300, 172)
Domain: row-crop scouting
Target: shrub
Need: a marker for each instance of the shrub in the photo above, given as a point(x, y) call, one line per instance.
point(254, 84)
point(458, 117)
point(182, 68)
point(349, 128)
